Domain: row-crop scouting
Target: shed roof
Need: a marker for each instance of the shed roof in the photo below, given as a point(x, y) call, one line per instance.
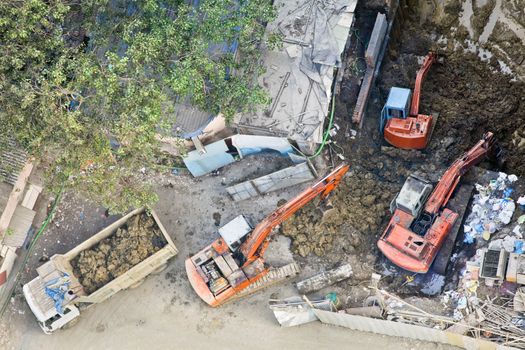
point(299, 75)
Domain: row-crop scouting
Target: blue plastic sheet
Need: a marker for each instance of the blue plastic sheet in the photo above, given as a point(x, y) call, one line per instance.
point(518, 247)
point(56, 289)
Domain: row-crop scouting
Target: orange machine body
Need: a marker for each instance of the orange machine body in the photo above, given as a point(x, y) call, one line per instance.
point(413, 238)
point(221, 270)
point(409, 133)
point(403, 127)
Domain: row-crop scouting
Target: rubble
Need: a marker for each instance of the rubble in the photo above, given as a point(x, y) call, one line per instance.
point(324, 279)
point(361, 202)
point(492, 208)
point(112, 257)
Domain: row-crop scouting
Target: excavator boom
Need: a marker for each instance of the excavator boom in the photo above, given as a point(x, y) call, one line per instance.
point(254, 243)
point(450, 179)
point(427, 63)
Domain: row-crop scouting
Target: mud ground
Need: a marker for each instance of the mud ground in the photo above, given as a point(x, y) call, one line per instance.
point(471, 90)
point(164, 312)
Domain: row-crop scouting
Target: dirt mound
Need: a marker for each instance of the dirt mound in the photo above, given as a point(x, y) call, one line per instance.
point(110, 258)
point(360, 205)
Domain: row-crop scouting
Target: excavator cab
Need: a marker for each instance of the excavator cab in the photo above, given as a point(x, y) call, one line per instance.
point(413, 195)
point(397, 106)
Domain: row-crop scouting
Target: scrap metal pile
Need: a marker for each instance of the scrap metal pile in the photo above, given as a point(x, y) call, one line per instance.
point(118, 253)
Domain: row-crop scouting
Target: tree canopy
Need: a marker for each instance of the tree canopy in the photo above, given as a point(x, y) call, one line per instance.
point(87, 85)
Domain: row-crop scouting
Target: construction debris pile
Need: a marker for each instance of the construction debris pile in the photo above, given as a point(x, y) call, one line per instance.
point(118, 253)
point(492, 319)
point(492, 208)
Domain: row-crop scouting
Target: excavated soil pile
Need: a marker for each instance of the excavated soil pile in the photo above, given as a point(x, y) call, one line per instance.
point(110, 258)
point(360, 205)
point(470, 99)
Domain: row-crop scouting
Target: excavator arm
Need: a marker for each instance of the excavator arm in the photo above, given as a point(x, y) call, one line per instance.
point(257, 242)
point(450, 179)
point(427, 63)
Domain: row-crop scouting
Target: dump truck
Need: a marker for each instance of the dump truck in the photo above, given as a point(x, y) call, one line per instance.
point(63, 288)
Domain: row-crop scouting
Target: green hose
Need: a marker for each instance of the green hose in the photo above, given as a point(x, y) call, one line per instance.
point(327, 131)
point(46, 222)
point(37, 236)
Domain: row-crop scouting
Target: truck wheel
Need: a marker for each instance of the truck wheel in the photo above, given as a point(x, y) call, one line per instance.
point(71, 323)
point(159, 269)
point(136, 284)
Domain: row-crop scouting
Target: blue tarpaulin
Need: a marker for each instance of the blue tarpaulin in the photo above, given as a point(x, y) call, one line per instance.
point(224, 152)
point(56, 289)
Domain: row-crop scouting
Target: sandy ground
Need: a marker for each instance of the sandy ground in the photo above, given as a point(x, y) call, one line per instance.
point(164, 312)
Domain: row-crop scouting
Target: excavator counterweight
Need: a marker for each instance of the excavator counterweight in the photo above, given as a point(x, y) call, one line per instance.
point(233, 265)
point(419, 226)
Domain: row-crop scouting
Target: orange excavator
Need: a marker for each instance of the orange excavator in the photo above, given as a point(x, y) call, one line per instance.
point(231, 266)
point(419, 226)
point(404, 128)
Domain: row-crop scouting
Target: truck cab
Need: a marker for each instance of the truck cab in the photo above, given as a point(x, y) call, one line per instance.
point(44, 308)
point(413, 196)
point(397, 106)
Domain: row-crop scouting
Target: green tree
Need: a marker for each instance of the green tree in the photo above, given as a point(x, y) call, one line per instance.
point(86, 86)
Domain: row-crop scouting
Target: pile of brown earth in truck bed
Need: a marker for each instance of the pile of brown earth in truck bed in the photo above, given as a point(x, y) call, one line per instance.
point(110, 258)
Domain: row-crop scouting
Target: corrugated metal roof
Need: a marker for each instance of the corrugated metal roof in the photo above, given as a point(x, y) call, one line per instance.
point(189, 121)
point(12, 160)
point(398, 329)
point(20, 224)
point(283, 178)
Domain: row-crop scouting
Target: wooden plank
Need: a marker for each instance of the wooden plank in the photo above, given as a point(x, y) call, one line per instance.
point(19, 226)
point(14, 198)
point(31, 196)
point(376, 40)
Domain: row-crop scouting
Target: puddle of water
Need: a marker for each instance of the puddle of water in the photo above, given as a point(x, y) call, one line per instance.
point(481, 3)
point(504, 68)
point(493, 18)
point(432, 283)
point(466, 15)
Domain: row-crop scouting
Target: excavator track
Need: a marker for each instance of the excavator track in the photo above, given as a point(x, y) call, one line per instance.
point(435, 117)
point(274, 276)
